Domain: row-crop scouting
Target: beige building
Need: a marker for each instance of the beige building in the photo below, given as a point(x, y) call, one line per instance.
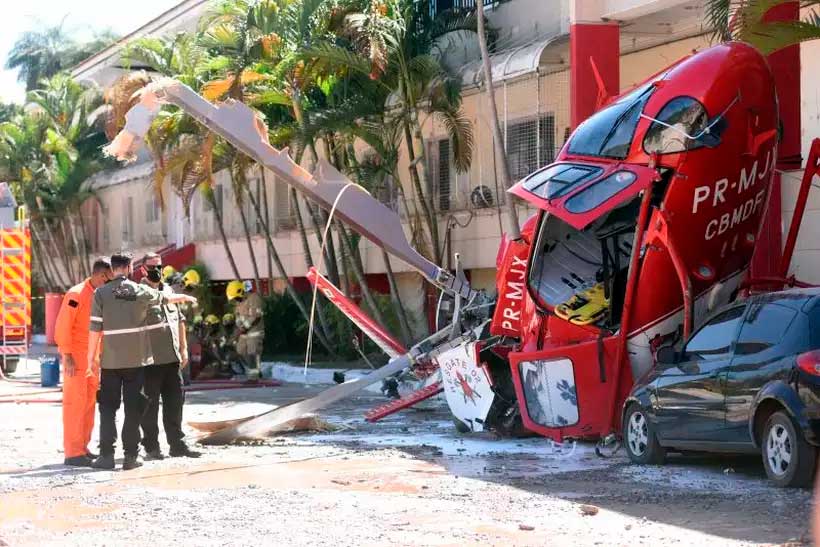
point(531, 72)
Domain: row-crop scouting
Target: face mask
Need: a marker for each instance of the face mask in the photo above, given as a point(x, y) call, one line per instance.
point(154, 274)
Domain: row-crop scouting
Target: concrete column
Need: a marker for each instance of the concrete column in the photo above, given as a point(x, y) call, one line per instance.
point(592, 42)
point(785, 65)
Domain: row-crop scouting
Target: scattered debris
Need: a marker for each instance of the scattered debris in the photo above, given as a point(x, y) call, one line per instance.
point(589, 510)
point(526, 527)
point(343, 483)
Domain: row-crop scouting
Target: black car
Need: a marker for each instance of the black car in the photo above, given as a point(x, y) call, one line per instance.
point(748, 380)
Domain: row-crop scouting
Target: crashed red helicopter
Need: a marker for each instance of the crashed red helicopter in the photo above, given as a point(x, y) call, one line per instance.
point(648, 221)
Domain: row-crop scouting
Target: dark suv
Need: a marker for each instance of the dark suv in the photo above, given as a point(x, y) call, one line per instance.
point(748, 380)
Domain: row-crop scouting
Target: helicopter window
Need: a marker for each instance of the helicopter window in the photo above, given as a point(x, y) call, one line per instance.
point(598, 192)
point(609, 132)
point(557, 180)
point(682, 124)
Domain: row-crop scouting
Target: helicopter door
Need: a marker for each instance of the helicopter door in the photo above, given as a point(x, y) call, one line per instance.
point(570, 391)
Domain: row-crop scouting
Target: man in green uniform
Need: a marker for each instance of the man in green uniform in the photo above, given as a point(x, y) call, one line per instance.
point(163, 379)
point(119, 322)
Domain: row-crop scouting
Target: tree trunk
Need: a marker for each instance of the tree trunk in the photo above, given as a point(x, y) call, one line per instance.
point(300, 225)
point(39, 258)
point(512, 215)
point(64, 254)
point(406, 332)
point(49, 256)
point(320, 336)
point(361, 278)
point(267, 223)
point(221, 227)
point(85, 238)
point(240, 185)
point(427, 208)
point(82, 265)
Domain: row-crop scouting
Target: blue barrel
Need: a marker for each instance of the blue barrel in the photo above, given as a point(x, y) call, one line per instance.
point(50, 372)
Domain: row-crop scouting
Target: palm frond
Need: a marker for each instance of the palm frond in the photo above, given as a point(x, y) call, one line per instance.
point(460, 131)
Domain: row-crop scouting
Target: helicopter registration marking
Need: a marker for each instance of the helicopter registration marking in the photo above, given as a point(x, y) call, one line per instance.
point(715, 195)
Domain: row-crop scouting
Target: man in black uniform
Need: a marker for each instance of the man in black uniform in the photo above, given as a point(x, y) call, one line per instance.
point(164, 378)
point(119, 322)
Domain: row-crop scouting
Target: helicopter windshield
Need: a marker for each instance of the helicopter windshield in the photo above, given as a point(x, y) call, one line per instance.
point(609, 133)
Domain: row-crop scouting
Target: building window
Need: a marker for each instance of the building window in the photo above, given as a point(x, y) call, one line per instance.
point(530, 145)
point(128, 220)
point(285, 216)
point(443, 174)
point(152, 210)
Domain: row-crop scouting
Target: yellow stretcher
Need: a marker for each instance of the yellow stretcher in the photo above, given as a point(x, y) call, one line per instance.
point(586, 307)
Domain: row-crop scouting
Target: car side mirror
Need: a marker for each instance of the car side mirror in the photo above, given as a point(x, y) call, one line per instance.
point(666, 355)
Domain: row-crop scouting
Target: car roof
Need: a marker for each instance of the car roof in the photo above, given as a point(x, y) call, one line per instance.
point(798, 298)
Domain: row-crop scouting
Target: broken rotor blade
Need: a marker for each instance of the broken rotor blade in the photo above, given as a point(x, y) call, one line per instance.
point(258, 426)
point(240, 126)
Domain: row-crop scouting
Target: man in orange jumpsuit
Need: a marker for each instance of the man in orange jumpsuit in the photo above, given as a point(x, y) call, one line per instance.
point(79, 389)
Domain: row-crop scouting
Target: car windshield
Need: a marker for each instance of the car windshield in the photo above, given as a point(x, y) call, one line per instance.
point(609, 132)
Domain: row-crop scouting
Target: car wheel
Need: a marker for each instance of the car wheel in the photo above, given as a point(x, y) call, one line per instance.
point(639, 437)
point(787, 457)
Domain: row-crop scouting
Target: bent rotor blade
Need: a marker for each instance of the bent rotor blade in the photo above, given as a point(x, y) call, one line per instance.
point(392, 347)
point(258, 426)
point(239, 125)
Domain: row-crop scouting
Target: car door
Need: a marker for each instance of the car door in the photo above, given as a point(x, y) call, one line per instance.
point(759, 357)
point(690, 396)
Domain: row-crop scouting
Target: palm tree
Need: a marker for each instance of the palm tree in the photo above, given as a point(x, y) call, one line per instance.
point(48, 151)
point(39, 54)
point(744, 20)
point(392, 42)
point(181, 148)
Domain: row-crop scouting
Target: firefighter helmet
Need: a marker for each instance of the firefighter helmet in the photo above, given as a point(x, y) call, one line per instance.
point(234, 290)
point(167, 273)
point(191, 279)
point(228, 319)
point(211, 319)
point(197, 320)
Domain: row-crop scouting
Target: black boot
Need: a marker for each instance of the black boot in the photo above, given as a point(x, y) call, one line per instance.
point(182, 451)
point(89, 454)
point(105, 461)
point(131, 462)
point(154, 455)
point(79, 461)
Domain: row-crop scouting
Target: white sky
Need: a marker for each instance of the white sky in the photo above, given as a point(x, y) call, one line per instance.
point(82, 18)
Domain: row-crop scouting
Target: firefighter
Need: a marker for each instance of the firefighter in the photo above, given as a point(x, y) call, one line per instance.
point(250, 323)
point(119, 325)
point(191, 280)
point(163, 379)
point(79, 391)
